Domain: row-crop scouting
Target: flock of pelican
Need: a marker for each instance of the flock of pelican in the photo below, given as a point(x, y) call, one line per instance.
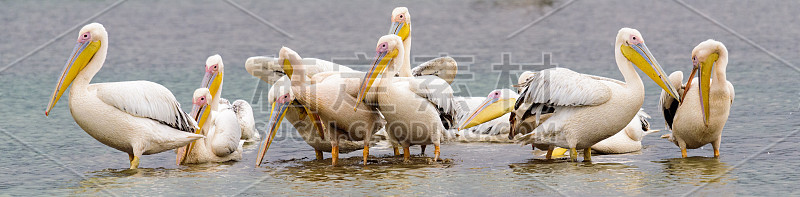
point(338, 109)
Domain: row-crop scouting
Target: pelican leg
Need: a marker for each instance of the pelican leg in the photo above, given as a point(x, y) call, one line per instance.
point(587, 154)
point(334, 146)
point(406, 155)
point(366, 146)
point(134, 157)
point(319, 154)
point(396, 149)
point(335, 155)
point(682, 145)
point(715, 144)
point(422, 152)
point(549, 154)
point(573, 154)
point(135, 162)
point(435, 153)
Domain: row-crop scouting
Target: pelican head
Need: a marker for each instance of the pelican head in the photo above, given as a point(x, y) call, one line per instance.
point(290, 60)
point(201, 100)
point(705, 56)
point(401, 22)
point(279, 105)
point(214, 71)
point(388, 49)
point(90, 39)
point(523, 78)
point(497, 103)
point(631, 45)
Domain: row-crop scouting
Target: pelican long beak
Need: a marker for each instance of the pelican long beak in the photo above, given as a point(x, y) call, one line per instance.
point(706, 68)
point(212, 81)
point(642, 58)
point(200, 114)
point(401, 29)
point(287, 68)
point(382, 61)
point(79, 58)
point(276, 116)
point(489, 110)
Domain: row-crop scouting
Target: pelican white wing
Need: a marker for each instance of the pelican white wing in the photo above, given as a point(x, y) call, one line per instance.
point(145, 99)
point(442, 67)
point(439, 93)
point(270, 70)
point(564, 87)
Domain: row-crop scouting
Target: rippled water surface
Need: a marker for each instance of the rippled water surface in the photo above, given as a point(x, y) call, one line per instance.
point(167, 42)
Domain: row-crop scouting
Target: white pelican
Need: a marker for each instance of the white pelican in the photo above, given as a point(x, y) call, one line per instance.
point(325, 102)
point(222, 131)
point(699, 119)
point(213, 78)
point(587, 109)
point(412, 107)
point(486, 128)
point(284, 105)
point(500, 102)
point(136, 117)
point(244, 115)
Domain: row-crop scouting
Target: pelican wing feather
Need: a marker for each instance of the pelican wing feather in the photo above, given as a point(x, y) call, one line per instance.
point(147, 100)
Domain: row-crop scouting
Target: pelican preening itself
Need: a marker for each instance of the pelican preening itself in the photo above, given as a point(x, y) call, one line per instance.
point(412, 106)
point(222, 131)
point(136, 117)
point(698, 120)
point(587, 109)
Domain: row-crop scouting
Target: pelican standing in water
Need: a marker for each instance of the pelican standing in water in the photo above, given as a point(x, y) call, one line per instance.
point(136, 117)
point(222, 142)
point(587, 109)
point(699, 119)
point(326, 103)
point(500, 102)
point(412, 107)
point(285, 106)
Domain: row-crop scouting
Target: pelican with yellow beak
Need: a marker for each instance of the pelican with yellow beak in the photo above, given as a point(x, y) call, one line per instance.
point(136, 117)
point(285, 106)
point(222, 142)
point(327, 102)
point(412, 106)
point(500, 102)
point(699, 119)
point(587, 109)
point(212, 79)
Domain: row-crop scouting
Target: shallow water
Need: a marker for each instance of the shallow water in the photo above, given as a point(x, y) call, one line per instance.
point(167, 42)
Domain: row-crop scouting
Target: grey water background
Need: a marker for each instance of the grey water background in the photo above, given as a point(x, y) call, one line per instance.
point(168, 41)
